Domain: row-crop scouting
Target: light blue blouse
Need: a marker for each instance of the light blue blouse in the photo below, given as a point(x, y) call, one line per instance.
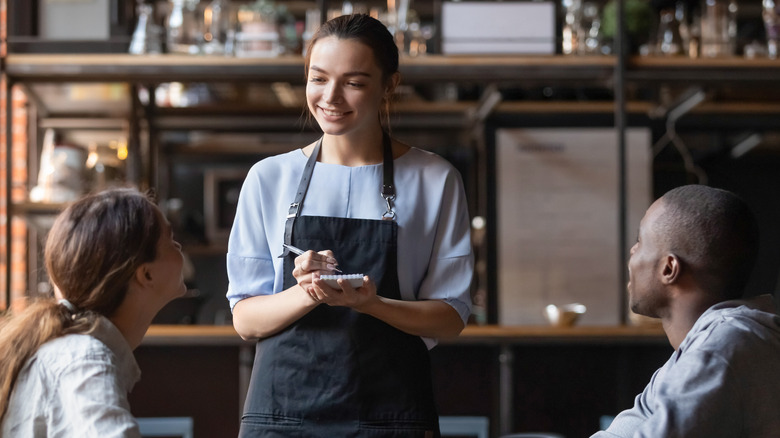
point(435, 259)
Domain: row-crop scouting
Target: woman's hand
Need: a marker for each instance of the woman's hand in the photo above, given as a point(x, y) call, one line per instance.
point(311, 263)
point(347, 296)
point(430, 318)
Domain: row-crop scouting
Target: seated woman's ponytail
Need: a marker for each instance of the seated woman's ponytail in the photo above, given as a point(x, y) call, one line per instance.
point(91, 254)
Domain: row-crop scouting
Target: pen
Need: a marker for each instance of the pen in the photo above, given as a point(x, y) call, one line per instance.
point(301, 252)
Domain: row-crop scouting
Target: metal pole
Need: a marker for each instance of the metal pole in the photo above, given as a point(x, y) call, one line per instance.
point(506, 359)
point(621, 49)
point(7, 192)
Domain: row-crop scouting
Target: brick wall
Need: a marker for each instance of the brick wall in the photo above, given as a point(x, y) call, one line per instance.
point(3, 14)
point(3, 217)
point(19, 187)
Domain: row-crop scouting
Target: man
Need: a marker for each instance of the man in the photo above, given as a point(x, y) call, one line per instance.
point(692, 259)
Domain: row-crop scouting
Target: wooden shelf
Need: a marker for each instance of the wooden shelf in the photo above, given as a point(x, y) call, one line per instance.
point(149, 68)
point(726, 69)
point(86, 124)
point(514, 68)
point(732, 63)
point(431, 68)
point(185, 68)
point(36, 208)
point(472, 334)
point(567, 107)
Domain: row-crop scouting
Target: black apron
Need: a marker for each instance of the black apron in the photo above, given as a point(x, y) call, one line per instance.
point(336, 372)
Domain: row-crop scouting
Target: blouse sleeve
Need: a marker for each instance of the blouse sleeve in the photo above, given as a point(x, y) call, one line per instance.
point(250, 266)
point(451, 265)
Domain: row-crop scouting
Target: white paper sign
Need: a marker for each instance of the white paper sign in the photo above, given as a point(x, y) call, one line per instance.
point(557, 219)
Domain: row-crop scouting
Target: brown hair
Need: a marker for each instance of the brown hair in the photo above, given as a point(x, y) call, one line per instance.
point(370, 32)
point(91, 253)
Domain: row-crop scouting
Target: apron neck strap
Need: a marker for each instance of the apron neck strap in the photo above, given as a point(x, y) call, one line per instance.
point(388, 188)
point(297, 205)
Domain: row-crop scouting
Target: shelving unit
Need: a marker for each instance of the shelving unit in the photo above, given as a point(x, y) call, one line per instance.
point(502, 71)
point(479, 72)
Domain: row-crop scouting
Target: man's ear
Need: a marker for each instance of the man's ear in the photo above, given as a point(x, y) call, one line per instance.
point(670, 269)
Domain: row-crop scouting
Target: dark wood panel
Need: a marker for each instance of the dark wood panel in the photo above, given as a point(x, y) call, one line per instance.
point(199, 382)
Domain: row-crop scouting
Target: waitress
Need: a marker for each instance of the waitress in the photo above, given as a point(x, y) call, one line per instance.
point(348, 362)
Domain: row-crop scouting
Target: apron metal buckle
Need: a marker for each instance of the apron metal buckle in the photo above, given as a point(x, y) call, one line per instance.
point(293, 212)
point(389, 214)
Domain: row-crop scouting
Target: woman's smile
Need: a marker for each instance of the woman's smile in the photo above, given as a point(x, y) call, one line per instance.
point(333, 113)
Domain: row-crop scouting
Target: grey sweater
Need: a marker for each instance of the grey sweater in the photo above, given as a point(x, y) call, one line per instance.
point(723, 381)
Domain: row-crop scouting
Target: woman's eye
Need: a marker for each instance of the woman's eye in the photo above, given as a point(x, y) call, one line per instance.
point(316, 80)
point(354, 84)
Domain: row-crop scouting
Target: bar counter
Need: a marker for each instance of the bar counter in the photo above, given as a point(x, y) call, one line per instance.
point(473, 334)
point(499, 363)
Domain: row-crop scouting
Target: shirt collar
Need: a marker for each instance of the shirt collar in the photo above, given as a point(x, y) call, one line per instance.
point(128, 371)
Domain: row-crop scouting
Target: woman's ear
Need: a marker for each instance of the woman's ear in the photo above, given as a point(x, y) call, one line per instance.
point(143, 276)
point(392, 84)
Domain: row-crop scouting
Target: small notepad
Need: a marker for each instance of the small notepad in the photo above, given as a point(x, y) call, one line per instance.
point(356, 280)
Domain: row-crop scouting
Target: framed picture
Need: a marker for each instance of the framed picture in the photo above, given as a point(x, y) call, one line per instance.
point(221, 187)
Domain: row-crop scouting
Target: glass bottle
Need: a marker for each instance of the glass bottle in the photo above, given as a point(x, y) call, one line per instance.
point(771, 16)
point(571, 26)
point(215, 27)
point(669, 42)
point(589, 29)
point(144, 33)
point(183, 27)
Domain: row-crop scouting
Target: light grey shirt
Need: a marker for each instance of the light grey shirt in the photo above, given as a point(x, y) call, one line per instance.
point(75, 386)
point(723, 380)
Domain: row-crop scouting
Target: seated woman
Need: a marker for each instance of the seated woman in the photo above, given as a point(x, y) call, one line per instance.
point(66, 363)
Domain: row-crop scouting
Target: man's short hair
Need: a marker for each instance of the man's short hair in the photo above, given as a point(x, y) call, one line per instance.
point(714, 232)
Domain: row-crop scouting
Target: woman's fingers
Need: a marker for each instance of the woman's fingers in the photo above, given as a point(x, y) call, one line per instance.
point(312, 261)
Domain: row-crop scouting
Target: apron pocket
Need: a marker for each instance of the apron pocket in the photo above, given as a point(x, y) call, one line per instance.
point(396, 425)
point(271, 419)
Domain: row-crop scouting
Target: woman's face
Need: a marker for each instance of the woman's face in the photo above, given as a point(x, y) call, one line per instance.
point(345, 87)
point(167, 267)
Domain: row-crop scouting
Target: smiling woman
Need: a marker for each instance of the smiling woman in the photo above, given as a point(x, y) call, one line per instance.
point(349, 360)
point(346, 90)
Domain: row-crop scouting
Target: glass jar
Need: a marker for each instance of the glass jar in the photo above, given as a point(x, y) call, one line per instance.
point(771, 16)
point(718, 28)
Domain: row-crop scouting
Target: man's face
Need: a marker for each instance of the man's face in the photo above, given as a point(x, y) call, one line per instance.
point(645, 290)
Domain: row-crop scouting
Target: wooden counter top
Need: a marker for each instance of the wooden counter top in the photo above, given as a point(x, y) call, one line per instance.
point(192, 335)
point(208, 335)
point(494, 334)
